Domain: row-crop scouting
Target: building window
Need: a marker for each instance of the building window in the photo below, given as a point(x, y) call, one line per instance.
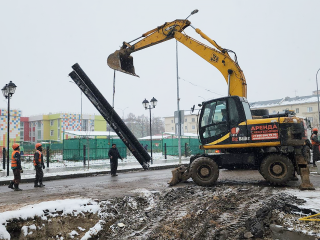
point(185, 120)
point(58, 135)
point(172, 128)
point(274, 111)
point(310, 119)
point(21, 125)
point(58, 123)
point(309, 109)
point(193, 119)
point(39, 135)
point(39, 124)
point(193, 127)
point(51, 122)
point(51, 133)
point(171, 121)
point(185, 127)
point(297, 110)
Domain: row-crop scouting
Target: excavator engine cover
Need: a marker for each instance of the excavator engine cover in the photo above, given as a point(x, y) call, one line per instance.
point(121, 62)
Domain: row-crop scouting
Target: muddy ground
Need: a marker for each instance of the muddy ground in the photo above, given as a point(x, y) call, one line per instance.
point(225, 211)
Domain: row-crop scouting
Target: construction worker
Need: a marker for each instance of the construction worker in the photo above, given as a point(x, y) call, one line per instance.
point(39, 165)
point(114, 155)
point(16, 168)
point(315, 146)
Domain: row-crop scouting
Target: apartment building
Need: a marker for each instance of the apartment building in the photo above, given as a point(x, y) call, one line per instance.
point(51, 127)
point(14, 135)
point(306, 106)
point(45, 127)
point(189, 124)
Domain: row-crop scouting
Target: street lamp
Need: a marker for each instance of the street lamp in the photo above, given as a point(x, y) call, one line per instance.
point(318, 97)
point(7, 91)
point(81, 108)
point(146, 106)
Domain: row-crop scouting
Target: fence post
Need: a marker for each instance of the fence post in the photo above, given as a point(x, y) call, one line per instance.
point(4, 157)
point(84, 155)
point(185, 149)
point(48, 155)
point(165, 150)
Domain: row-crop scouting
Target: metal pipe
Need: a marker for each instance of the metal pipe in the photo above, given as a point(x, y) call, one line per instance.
point(178, 105)
point(318, 98)
point(107, 111)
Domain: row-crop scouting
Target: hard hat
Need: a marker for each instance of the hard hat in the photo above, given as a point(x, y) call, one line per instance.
point(38, 145)
point(315, 130)
point(15, 146)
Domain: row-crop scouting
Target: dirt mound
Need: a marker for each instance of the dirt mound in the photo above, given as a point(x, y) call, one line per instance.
point(191, 212)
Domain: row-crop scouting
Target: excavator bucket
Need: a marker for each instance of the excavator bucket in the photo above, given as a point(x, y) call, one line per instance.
point(122, 63)
point(179, 174)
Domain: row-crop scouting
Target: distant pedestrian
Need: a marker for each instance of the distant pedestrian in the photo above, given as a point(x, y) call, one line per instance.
point(315, 146)
point(146, 147)
point(114, 155)
point(39, 165)
point(21, 151)
point(16, 167)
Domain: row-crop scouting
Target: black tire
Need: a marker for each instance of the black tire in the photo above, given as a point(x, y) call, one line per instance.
point(204, 171)
point(306, 153)
point(277, 169)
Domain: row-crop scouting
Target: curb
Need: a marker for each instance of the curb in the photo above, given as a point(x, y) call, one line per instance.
point(78, 175)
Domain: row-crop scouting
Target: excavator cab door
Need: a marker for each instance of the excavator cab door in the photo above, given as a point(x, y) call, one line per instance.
point(219, 118)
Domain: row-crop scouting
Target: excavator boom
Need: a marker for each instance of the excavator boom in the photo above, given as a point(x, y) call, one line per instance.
point(121, 60)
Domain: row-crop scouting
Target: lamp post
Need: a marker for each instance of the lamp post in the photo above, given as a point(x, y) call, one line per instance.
point(123, 112)
point(146, 106)
point(318, 98)
point(80, 109)
point(8, 90)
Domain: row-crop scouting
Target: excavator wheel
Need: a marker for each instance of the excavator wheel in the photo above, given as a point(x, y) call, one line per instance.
point(277, 169)
point(204, 171)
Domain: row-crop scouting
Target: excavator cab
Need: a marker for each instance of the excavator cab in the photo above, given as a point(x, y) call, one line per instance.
point(221, 117)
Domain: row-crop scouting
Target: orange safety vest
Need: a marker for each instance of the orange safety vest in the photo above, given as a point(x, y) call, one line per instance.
point(14, 163)
point(313, 142)
point(34, 160)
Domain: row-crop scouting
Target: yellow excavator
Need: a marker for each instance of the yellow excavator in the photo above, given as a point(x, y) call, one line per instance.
point(233, 135)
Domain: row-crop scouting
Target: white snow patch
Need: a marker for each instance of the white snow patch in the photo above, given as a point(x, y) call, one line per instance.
point(93, 231)
point(312, 198)
point(73, 233)
point(67, 206)
point(148, 195)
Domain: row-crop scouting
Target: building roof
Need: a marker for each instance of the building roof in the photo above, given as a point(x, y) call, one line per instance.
point(284, 101)
point(91, 133)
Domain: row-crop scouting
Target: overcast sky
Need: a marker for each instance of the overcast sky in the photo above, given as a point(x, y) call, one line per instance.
point(277, 44)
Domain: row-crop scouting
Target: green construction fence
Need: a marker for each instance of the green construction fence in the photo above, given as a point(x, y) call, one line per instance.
point(95, 148)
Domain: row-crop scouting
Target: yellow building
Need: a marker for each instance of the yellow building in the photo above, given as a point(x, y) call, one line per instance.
point(51, 127)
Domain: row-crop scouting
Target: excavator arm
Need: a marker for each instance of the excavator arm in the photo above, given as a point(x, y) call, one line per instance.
point(121, 60)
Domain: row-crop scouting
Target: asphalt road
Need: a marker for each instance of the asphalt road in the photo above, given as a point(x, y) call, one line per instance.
point(104, 187)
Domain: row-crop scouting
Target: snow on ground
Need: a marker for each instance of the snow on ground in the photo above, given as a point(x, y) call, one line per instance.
point(72, 207)
point(312, 198)
point(63, 168)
